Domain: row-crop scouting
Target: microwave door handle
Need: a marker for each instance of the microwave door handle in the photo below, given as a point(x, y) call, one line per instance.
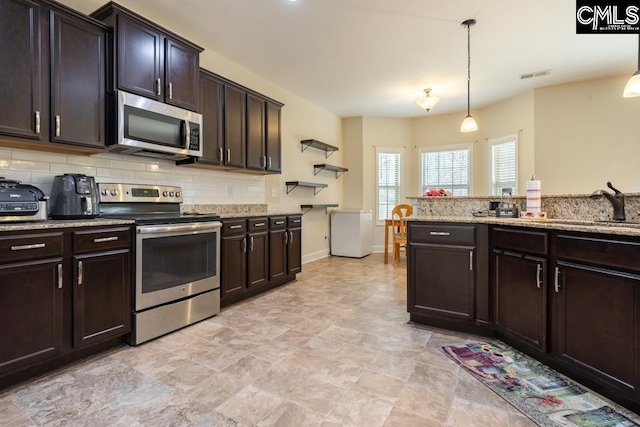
point(187, 133)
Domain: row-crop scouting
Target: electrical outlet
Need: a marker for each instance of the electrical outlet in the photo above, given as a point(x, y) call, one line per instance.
point(230, 191)
point(274, 192)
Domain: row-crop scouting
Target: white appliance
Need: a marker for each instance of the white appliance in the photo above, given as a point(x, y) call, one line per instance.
point(351, 232)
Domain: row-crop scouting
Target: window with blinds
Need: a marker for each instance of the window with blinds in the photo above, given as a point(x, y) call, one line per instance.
point(448, 168)
point(504, 164)
point(388, 188)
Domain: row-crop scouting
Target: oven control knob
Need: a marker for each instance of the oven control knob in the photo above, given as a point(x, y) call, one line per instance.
point(177, 194)
point(171, 194)
point(165, 194)
point(104, 192)
point(114, 192)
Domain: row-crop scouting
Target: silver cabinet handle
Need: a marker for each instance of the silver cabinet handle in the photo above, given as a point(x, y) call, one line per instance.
point(269, 162)
point(57, 125)
point(234, 227)
point(286, 238)
point(59, 276)
point(538, 271)
point(251, 243)
point(279, 222)
point(158, 87)
point(26, 247)
point(258, 224)
point(291, 237)
point(263, 161)
point(244, 245)
point(296, 221)
point(228, 155)
point(80, 273)
point(170, 90)
point(38, 122)
point(221, 154)
point(439, 233)
point(105, 239)
point(471, 261)
point(556, 281)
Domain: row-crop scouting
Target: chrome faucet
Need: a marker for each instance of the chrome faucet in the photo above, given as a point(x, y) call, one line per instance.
point(617, 200)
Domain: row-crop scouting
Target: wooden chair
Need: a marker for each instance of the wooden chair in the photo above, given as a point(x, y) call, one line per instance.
point(399, 228)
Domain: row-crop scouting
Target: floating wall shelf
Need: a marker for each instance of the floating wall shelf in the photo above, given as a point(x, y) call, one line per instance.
point(326, 207)
point(337, 169)
point(328, 149)
point(317, 187)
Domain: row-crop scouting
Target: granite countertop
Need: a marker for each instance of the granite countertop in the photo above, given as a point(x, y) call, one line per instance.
point(623, 229)
point(62, 223)
point(231, 215)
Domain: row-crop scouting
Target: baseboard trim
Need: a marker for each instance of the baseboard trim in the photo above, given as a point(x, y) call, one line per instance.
point(314, 256)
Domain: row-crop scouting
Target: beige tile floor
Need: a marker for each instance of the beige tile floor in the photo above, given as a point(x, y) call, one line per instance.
point(332, 349)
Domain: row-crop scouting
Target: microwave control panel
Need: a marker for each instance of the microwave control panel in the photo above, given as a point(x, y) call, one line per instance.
point(194, 136)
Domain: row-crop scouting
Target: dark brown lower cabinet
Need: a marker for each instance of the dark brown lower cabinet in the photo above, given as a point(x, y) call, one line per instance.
point(102, 295)
point(520, 307)
point(598, 323)
point(257, 254)
point(31, 315)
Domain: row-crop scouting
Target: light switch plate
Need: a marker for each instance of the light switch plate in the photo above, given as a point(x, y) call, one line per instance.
point(274, 192)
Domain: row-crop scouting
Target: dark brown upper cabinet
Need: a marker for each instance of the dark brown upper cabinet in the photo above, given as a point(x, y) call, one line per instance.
point(256, 157)
point(273, 137)
point(151, 61)
point(52, 77)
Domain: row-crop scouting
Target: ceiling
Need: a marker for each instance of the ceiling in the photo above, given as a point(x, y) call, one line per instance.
point(375, 57)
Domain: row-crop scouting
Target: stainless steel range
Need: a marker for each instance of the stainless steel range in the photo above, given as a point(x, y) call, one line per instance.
point(177, 258)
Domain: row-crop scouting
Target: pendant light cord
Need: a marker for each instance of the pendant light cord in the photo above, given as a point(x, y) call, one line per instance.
point(469, 69)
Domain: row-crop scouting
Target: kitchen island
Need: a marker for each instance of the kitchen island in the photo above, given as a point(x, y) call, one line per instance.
point(566, 292)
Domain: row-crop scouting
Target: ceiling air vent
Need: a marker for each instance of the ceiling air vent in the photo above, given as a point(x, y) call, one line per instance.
point(535, 74)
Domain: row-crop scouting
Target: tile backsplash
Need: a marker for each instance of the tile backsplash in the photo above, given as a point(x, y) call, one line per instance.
point(199, 186)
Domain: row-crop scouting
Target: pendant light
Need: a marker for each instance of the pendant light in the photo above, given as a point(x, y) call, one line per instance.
point(632, 89)
point(469, 123)
point(427, 101)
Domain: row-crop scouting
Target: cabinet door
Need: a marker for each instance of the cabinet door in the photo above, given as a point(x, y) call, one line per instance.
point(520, 298)
point(233, 265)
point(294, 251)
point(181, 75)
point(30, 312)
point(256, 158)
point(278, 240)
point(235, 102)
point(77, 82)
point(20, 79)
point(598, 327)
point(446, 286)
point(102, 297)
point(140, 59)
point(258, 259)
point(273, 138)
point(212, 109)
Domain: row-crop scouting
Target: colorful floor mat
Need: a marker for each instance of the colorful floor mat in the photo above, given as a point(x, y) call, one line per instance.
point(538, 391)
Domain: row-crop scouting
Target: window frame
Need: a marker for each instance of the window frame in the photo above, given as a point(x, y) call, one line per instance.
point(450, 147)
point(490, 145)
point(387, 150)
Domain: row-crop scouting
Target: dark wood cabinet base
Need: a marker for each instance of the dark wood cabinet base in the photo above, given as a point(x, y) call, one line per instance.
point(450, 324)
point(234, 298)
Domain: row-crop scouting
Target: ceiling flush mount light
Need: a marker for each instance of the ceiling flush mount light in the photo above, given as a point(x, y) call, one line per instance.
point(469, 123)
point(427, 101)
point(632, 89)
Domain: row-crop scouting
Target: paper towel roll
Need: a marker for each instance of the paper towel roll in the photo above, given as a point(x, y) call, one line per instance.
point(534, 200)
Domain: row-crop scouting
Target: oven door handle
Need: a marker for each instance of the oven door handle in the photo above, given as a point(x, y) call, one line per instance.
point(172, 228)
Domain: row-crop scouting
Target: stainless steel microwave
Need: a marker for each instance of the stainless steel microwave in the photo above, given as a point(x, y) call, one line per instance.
point(150, 128)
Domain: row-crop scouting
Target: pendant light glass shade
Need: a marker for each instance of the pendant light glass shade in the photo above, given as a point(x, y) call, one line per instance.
point(427, 102)
point(469, 123)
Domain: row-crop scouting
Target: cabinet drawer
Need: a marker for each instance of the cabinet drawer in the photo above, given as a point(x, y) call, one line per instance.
point(30, 246)
point(446, 234)
point(258, 224)
point(277, 223)
point(233, 227)
point(519, 240)
point(599, 251)
point(294, 221)
point(106, 239)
